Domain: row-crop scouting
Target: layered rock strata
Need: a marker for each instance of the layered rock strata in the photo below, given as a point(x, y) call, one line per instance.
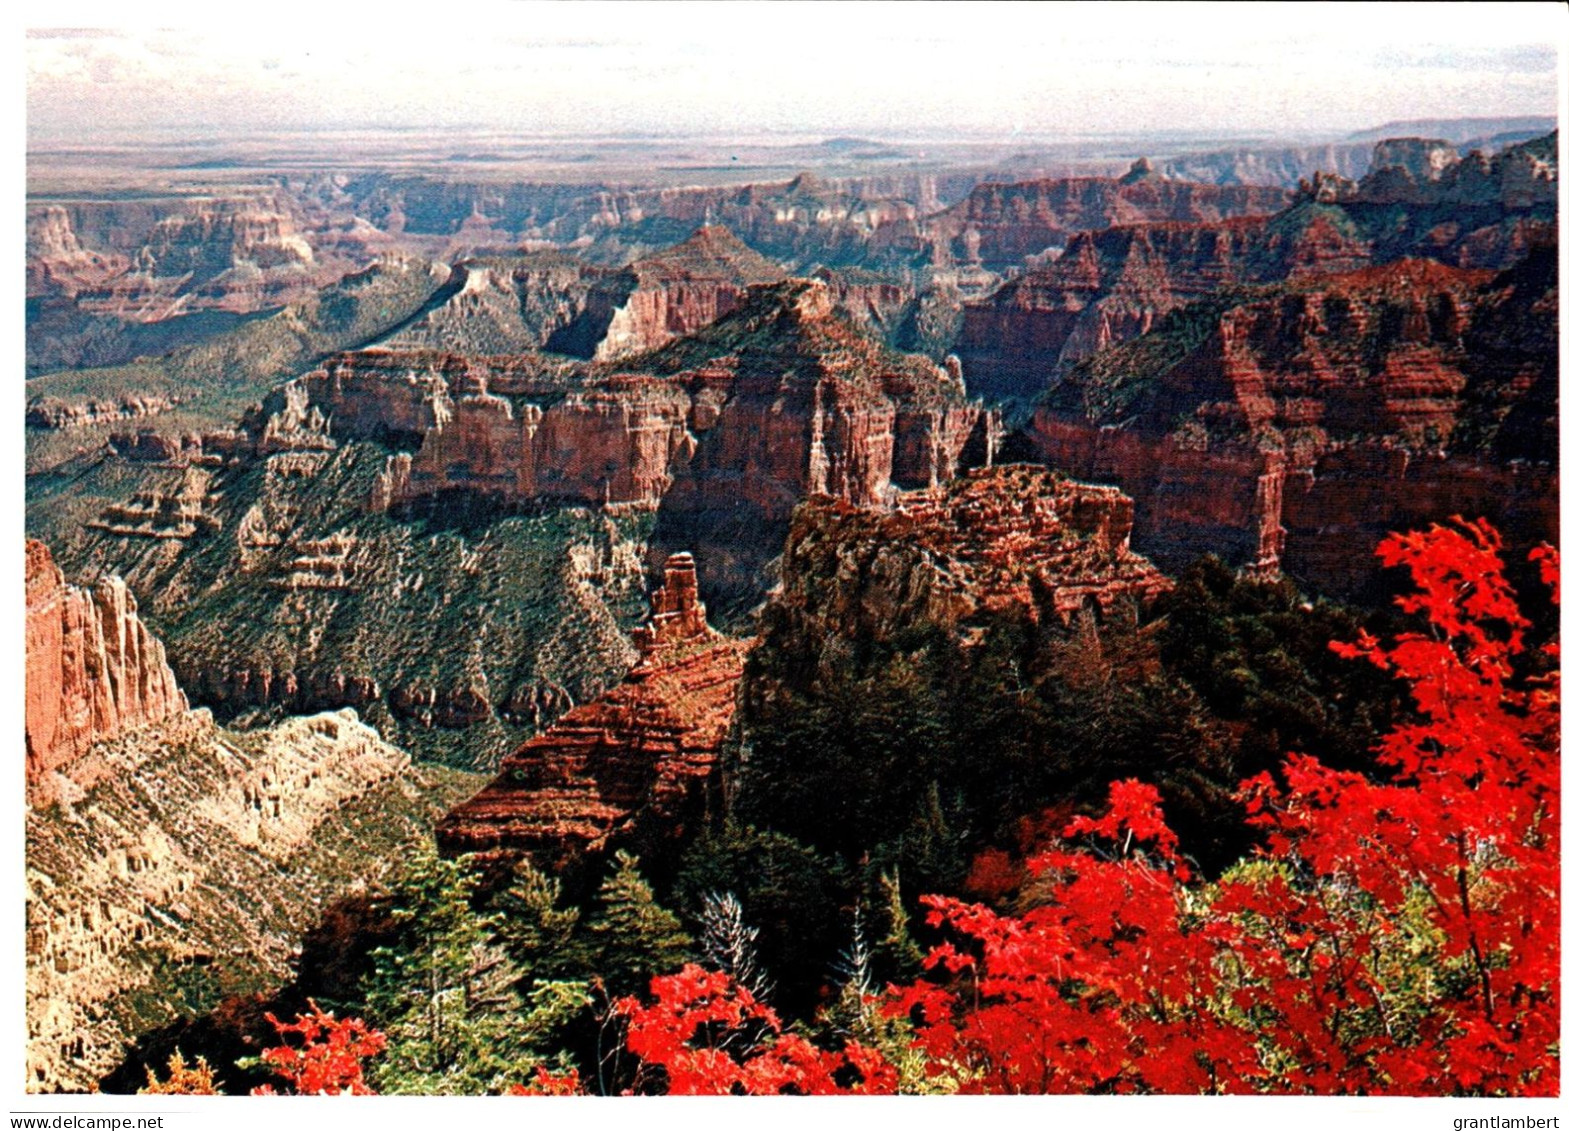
point(720, 432)
point(93, 669)
point(1109, 286)
point(278, 589)
point(170, 862)
point(674, 293)
point(1015, 539)
point(633, 767)
point(561, 304)
point(1295, 430)
point(1112, 285)
point(998, 225)
point(53, 412)
point(180, 863)
point(177, 257)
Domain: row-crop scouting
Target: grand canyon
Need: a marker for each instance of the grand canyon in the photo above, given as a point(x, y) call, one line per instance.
point(665, 614)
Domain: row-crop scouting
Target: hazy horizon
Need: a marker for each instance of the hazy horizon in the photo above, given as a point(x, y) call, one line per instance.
point(788, 70)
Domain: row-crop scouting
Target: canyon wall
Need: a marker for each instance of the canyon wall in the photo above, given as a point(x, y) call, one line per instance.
point(721, 432)
point(280, 588)
point(93, 669)
point(181, 863)
point(174, 257)
point(169, 862)
point(999, 225)
point(1111, 285)
point(1296, 429)
point(455, 546)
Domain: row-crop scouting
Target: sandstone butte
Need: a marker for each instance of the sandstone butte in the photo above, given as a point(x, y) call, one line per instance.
point(780, 399)
point(1304, 425)
point(549, 300)
point(1000, 224)
point(93, 669)
point(676, 292)
point(631, 768)
point(167, 258)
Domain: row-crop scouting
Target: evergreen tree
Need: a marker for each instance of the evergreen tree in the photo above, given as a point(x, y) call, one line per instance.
point(446, 994)
point(539, 935)
point(729, 945)
point(631, 937)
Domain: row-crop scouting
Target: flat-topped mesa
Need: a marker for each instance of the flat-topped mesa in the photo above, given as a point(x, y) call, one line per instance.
point(93, 669)
point(238, 254)
point(1111, 285)
point(632, 768)
point(676, 292)
point(780, 399)
point(987, 574)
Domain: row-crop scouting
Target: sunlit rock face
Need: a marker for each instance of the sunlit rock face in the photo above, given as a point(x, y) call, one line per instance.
point(163, 852)
point(92, 671)
point(1109, 286)
point(999, 225)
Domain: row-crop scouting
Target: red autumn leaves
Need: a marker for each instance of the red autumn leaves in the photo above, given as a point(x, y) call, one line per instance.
point(1392, 935)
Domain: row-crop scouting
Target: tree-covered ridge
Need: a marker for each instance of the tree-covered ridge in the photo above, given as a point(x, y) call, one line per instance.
point(1395, 931)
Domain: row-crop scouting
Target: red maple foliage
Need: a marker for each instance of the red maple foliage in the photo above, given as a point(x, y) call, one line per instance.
point(1396, 935)
point(710, 1036)
point(328, 1061)
point(548, 1083)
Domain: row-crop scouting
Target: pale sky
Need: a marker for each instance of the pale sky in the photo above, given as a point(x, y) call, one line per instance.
point(825, 68)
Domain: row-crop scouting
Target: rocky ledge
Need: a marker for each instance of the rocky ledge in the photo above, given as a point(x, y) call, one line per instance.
point(1296, 429)
point(1014, 539)
point(631, 768)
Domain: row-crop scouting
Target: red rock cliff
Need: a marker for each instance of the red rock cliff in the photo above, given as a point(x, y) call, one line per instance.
point(631, 767)
point(780, 400)
point(1000, 224)
point(676, 292)
point(93, 669)
point(1111, 285)
point(1307, 424)
point(173, 257)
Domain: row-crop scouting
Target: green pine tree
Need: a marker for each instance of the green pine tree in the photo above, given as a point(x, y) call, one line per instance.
point(540, 935)
point(631, 937)
point(447, 994)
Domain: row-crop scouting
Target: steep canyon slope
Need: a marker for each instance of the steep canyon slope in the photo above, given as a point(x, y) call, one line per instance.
point(452, 542)
point(636, 768)
point(170, 861)
point(1292, 428)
